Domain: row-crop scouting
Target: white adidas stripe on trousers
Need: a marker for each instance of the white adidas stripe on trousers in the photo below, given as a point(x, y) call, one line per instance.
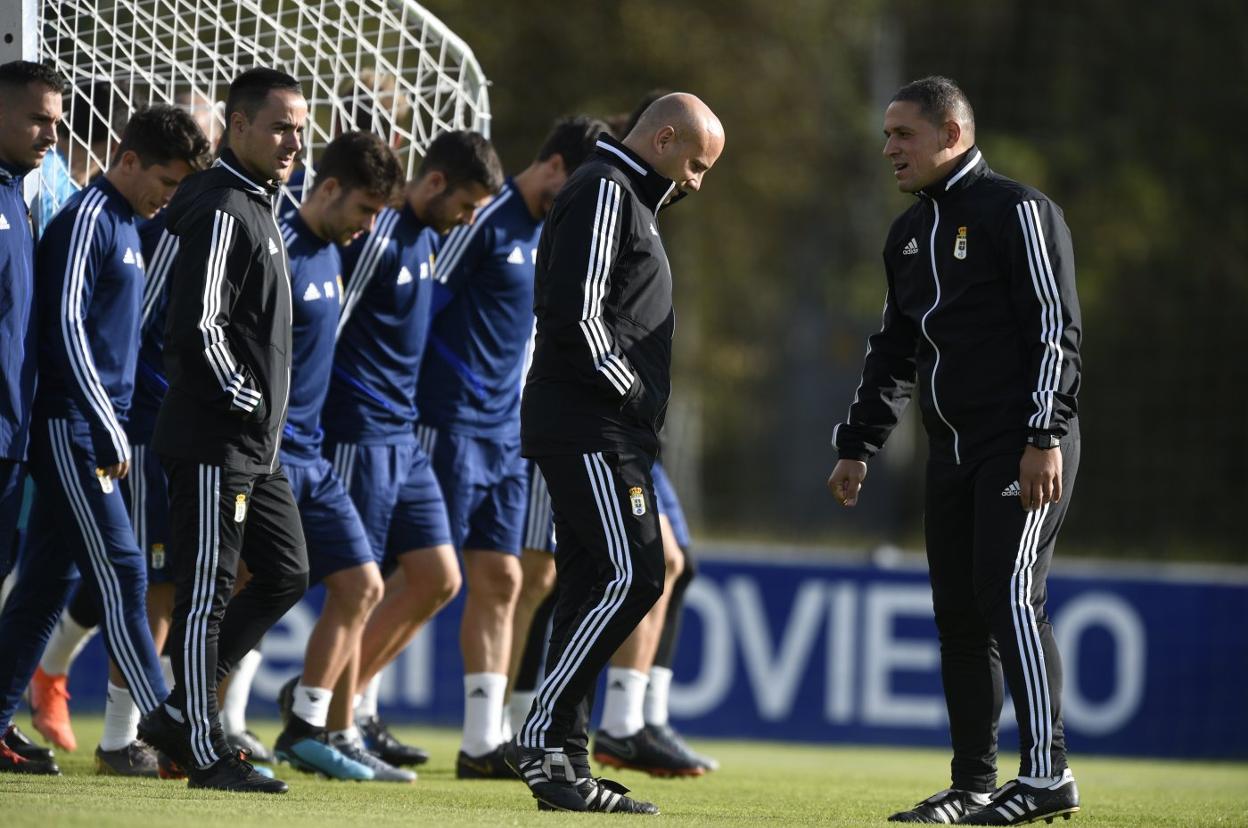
point(1030, 647)
point(533, 734)
point(195, 678)
point(125, 649)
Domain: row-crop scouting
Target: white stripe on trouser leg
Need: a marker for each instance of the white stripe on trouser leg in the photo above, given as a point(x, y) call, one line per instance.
point(1030, 647)
point(195, 653)
point(596, 620)
point(123, 649)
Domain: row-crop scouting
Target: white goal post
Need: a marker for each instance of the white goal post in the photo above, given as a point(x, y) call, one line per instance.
point(385, 65)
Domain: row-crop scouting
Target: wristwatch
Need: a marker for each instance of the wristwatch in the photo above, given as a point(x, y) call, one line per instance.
point(1043, 440)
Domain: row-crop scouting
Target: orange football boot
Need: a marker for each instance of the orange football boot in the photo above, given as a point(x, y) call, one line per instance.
point(49, 709)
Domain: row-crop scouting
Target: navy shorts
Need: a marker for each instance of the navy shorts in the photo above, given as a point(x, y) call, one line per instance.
point(146, 493)
point(333, 529)
point(669, 505)
point(485, 482)
point(396, 495)
point(539, 518)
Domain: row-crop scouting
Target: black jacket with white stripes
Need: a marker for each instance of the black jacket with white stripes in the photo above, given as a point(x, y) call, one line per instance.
point(227, 331)
point(981, 310)
point(601, 372)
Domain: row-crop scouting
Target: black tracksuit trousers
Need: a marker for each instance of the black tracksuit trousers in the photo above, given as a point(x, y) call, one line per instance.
point(989, 560)
point(217, 516)
point(610, 568)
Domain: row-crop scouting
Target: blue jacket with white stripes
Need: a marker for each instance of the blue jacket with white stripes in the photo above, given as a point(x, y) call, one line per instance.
point(602, 360)
point(981, 311)
point(17, 334)
point(89, 284)
point(382, 332)
point(483, 319)
point(316, 286)
point(150, 383)
point(227, 329)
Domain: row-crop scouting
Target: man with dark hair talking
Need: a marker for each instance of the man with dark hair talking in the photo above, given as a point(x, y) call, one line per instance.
point(981, 311)
point(227, 353)
point(90, 278)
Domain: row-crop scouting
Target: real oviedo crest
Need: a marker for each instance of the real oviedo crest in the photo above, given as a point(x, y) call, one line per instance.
point(637, 500)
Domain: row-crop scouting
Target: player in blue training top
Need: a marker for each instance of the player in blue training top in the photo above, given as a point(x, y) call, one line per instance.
point(89, 287)
point(370, 414)
point(356, 177)
point(469, 399)
point(30, 109)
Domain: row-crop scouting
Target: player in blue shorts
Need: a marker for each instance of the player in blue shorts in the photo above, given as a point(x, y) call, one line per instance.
point(370, 413)
point(356, 177)
point(90, 286)
point(469, 399)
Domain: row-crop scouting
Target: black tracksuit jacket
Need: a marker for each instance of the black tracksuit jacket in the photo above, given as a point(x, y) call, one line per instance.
point(981, 310)
point(227, 331)
point(601, 373)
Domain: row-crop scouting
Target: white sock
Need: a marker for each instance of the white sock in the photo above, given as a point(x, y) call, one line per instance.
point(312, 704)
point(654, 710)
point(366, 702)
point(521, 703)
point(68, 639)
point(234, 705)
point(504, 728)
point(1047, 781)
point(349, 736)
point(483, 712)
point(121, 719)
point(979, 798)
point(166, 669)
point(621, 712)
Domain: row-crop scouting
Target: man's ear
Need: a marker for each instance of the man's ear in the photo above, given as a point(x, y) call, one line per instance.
point(953, 134)
point(664, 138)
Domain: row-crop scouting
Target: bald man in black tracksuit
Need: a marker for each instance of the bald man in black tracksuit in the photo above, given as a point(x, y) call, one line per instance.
point(593, 407)
point(981, 311)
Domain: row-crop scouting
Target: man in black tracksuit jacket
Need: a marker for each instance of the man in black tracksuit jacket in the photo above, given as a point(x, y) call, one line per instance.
point(227, 354)
point(592, 410)
point(981, 311)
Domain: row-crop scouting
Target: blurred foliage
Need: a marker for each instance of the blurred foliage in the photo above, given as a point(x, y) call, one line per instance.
point(1124, 115)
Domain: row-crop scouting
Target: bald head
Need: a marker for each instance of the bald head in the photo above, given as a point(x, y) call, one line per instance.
point(680, 137)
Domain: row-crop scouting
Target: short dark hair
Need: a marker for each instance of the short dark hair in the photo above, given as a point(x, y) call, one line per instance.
point(464, 158)
point(939, 98)
point(572, 138)
point(251, 89)
point(18, 74)
point(361, 160)
point(161, 134)
point(642, 105)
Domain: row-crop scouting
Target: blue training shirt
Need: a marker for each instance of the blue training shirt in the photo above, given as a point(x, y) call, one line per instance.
point(88, 290)
point(316, 290)
point(159, 249)
point(17, 333)
point(381, 335)
point(483, 306)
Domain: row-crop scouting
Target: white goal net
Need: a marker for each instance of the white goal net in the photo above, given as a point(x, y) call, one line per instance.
point(388, 66)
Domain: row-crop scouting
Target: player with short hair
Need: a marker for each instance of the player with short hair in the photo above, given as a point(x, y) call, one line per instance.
point(980, 312)
point(370, 414)
point(227, 353)
point(90, 270)
point(469, 400)
point(357, 176)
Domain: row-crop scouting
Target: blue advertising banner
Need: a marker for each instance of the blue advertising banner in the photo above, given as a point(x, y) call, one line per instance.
point(845, 651)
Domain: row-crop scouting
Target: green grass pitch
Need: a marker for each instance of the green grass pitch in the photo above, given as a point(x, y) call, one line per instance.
point(759, 783)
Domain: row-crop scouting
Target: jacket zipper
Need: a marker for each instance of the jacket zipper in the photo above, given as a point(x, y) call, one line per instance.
point(957, 456)
point(277, 444)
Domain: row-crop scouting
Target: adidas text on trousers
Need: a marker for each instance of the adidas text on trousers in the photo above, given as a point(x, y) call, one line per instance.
point(217, 517)
point(610, 570)
point(989, 560)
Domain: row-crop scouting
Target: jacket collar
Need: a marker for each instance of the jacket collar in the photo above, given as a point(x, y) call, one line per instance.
point(120, 203)
point(652, 187)
point(969, 169)
point(10, 174)
point(228, 160)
